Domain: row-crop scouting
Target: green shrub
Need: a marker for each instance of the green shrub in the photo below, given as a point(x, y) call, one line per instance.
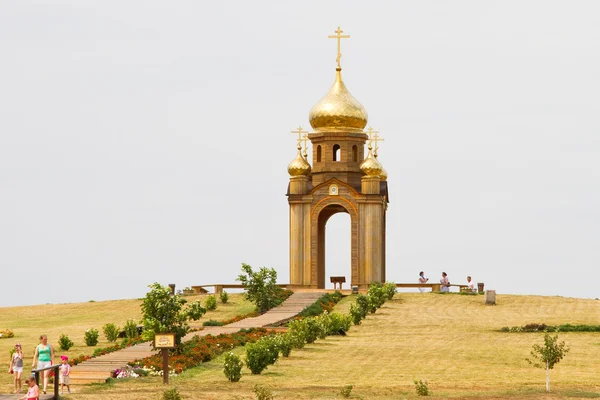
point(212, 322)
point(377, 296)
point(91, 337)
point(131, 329)
point(171, 394)
point(271, 345)
point(313, 329)
point(261, 287)
point(389, 289)
point(338, 324)
point(111, 332)
point(355, 314)
point(285, 344)
point(298, 329)
point(362, 303)
point(421, 388)
point(262, 393)
point(297, 333)
point(210, 303)
point(257, 357)
point(345, 392)
point(224, 297)
point(232, 367)
point(323, 322)
point(6, 334)
point(64, 342)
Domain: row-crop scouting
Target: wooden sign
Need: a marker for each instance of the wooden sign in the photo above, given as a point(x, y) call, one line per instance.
point(164, 340)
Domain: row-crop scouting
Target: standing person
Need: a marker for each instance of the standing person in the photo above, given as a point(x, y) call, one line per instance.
point(65, 370)
point(16, 367)
point(445, 283)
point(33, 393)
point(44, 355)
point(471, 284)
point(422, 279)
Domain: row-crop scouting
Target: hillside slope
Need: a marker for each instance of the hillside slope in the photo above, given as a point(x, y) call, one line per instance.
point(451, 341)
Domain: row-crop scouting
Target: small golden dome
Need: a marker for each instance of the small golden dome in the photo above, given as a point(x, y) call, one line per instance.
point(338, 110)
point(371, 167)
point(299, 166)
point(383, 174)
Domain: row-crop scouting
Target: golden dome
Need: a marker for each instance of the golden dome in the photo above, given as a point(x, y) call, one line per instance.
point(338, 110)
point(371, 167)
point(299, 166)
point(383, 174)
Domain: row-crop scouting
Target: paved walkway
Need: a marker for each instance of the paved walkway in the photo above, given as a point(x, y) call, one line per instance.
point(99, 368)
point(16, 396)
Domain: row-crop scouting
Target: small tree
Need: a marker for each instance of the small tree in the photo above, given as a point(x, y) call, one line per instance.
point(111, 332)
point(163, 312)
point(548, 355)
point(261, 288)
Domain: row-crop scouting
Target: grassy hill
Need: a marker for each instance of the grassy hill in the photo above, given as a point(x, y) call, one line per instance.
point(449, 340)
point(28, 323)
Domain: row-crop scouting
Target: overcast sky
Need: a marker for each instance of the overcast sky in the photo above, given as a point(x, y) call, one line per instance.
point(146, 141)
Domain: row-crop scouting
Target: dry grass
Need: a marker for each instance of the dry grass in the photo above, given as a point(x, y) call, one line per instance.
point(28, 323)
point(449, 340)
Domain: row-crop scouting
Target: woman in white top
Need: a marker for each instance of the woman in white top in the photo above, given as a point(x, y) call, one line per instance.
point(422, 279)
point(445, 283)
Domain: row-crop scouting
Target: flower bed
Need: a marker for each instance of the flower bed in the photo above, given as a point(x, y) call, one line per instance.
point(202, 349)
point(551, 328)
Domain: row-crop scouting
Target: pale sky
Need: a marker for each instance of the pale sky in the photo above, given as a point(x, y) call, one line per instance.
point(146, 141)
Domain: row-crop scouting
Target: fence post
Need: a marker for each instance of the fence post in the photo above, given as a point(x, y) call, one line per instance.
point(56, 379)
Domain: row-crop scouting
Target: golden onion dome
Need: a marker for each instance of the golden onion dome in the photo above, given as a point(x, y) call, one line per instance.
point(383, 174)
point(371, 167)
point(338, 110)
point(299, 166)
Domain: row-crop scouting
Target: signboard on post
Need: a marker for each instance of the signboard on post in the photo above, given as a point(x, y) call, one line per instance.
point(164, 342)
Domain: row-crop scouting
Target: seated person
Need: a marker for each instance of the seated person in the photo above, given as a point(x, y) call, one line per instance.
point(471, 285)
point(445, 282)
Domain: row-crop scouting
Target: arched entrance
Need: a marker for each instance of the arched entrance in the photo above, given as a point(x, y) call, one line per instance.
point(338, 248)
point(318, 264)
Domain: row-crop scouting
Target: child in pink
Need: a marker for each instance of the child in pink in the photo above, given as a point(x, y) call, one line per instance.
point(65, 370)
point(33, 393)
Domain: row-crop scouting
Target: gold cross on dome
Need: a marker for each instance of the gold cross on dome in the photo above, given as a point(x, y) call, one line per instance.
point(339, 38)
point(376, 138)
point(302, 136)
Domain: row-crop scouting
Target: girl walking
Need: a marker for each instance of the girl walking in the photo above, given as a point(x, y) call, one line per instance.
point(16, 367)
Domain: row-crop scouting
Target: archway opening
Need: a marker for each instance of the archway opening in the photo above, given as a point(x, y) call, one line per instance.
point(336, 246)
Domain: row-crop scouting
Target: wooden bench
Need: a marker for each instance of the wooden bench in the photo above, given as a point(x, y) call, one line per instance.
point(435, 287)
point(337, 280)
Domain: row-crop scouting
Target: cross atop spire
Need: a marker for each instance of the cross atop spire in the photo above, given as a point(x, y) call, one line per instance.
point(374, 137)
point(302, 137)
point(339, 38)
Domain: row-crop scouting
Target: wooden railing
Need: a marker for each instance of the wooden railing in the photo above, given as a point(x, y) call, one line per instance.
point(54, 367)
point(218, 287)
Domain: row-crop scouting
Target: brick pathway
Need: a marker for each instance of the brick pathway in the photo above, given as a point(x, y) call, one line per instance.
point(99, 368)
